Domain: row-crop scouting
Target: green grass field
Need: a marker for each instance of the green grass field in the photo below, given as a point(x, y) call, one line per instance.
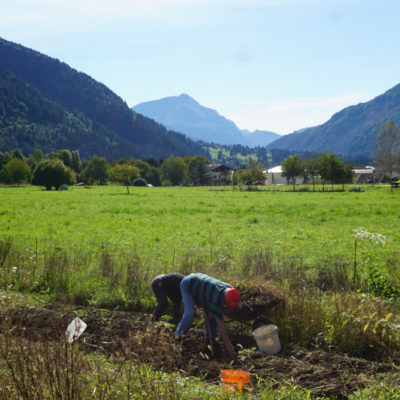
point(165, 224)
point(221, 231)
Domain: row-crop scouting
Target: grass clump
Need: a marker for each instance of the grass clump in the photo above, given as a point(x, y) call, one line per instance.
point(351, 323)
point(384, 387)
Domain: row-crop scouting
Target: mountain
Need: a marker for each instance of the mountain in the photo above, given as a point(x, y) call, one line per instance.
point(352, 132)
point(29, 120)
point(46, 104)
point(184, 114)
point(259, 138)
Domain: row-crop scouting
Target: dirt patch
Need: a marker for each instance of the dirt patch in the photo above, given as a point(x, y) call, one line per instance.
point(131, 335)
point(255, 301)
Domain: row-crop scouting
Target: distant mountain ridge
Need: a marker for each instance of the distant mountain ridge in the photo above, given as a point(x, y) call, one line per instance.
point(351, 132)
point(87, 116)
point(46, 104)
point(184, 114)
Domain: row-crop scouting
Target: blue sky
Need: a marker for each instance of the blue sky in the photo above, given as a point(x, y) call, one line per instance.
point(276, 65)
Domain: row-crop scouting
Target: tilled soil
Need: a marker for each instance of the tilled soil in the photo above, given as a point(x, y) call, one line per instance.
point(133, 335)
point(255, 301)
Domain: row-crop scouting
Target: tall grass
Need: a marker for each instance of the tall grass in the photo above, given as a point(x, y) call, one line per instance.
point(49, 370)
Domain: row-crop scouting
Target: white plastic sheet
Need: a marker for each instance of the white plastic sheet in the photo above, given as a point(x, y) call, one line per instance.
point(75, 329)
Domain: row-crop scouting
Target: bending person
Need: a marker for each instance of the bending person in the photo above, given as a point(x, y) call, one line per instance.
point(164, 286)
point(212, 295)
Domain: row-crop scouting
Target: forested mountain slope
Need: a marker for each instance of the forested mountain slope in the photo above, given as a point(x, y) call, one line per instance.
point(351, 132)
point(103, 116)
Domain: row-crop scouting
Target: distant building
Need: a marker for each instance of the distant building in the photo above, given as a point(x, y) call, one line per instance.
point(220, 174)
point(365, 175)
point(273, 176)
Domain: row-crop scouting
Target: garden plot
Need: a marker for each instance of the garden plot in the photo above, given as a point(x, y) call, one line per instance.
point(133, 336)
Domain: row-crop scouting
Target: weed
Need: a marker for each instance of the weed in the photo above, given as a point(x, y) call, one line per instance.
point(56, 272)
point(259, 262)
point(192, 261)
point(136, 276)
point(5, 247)
point(107, 264)
point(333, 275)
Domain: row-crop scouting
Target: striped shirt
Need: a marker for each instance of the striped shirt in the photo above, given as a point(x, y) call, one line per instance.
point(208, 293)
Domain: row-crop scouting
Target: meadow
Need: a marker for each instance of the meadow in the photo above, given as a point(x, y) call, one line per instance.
point(335, 253)
point(167, 224)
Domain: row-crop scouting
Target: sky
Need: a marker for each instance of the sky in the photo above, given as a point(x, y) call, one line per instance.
point(276, 65)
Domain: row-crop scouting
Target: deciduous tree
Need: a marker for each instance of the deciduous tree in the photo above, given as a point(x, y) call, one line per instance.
point(173, 171)
point(96, 171)
point(292, 168)
point(37, 155)
point(387, 154)
point(4, 159)
point(17, 154)
point(17, 171)
point(332, 169)
point(251, 175)
point(75, 161)
point(52, 172)
point(124, 174)
point(312, 168)
point(66, 157)
point(197, 172)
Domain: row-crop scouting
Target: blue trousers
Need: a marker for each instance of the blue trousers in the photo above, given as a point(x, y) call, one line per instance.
point(188, 313)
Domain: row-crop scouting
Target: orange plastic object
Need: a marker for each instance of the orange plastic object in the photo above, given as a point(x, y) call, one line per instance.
point(231, 377)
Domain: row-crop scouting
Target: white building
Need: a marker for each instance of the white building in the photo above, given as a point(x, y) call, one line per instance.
point(365, 175)
point(273, 176)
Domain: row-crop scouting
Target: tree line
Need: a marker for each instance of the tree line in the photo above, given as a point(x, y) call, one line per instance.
point(328, 167)
point(331, 168)
point(66, 167)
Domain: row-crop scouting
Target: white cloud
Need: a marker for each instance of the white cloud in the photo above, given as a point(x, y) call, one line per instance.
point(284, 117)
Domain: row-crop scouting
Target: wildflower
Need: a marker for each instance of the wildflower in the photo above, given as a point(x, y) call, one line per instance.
point(363, 234)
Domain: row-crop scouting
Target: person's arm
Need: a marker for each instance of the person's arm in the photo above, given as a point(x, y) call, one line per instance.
point(224, 335)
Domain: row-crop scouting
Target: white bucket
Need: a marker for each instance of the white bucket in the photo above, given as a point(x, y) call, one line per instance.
point(267, 339)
